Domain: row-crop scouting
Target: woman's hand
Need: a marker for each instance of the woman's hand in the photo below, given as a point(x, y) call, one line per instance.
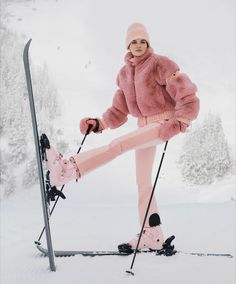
point(171, 128)
point(96, 125)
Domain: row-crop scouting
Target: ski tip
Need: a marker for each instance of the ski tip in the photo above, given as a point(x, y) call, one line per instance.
point(26, 49)
point(129, 272)
point(28, 43)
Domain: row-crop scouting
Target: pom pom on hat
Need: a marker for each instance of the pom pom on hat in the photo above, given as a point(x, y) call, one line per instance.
point(136, 31)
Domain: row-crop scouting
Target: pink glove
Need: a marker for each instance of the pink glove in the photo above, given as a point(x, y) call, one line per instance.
point(97, 126)
point(171, 128)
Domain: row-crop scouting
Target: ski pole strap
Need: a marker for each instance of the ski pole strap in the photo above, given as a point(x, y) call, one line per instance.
point(96, 129)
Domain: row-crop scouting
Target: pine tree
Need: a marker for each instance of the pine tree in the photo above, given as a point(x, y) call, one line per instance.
point(7, 177)
point(205, 154)
point(30, 176)
point(15, 120)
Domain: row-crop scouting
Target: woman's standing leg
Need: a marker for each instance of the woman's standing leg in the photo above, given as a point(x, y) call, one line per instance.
point(152, 236)
point(144, 164)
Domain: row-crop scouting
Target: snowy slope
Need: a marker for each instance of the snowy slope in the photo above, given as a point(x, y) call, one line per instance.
point(82, 42)
point(198, 227)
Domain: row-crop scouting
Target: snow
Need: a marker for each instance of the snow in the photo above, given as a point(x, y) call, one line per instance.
point(103, 226)
point(82, 44)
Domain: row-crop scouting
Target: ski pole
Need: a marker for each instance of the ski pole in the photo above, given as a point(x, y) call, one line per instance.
point(147, 210)
point(55, 203)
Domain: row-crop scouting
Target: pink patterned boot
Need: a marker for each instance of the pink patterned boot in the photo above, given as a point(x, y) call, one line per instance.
point(61, 170)
point(152, 239)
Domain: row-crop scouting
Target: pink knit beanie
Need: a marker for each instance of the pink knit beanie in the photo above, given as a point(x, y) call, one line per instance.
point(136, 31)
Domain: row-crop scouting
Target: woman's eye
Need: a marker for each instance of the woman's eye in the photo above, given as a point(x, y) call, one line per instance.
point(140, 42)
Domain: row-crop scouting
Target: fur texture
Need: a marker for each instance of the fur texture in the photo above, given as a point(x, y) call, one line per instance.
point(143, 90)
point(171, 128)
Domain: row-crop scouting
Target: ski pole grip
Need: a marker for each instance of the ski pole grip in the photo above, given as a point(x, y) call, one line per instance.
point(89, 128)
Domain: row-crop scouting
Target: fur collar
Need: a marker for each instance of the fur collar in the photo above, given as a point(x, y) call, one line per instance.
point(135, 60)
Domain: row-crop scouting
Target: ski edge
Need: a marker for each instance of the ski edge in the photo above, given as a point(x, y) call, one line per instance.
point(69, 253)
point(207, 254)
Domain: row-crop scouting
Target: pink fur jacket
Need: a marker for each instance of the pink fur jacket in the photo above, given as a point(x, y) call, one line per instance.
point(152, 85)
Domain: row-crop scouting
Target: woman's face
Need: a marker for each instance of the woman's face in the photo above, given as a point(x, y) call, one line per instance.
point(138, 47)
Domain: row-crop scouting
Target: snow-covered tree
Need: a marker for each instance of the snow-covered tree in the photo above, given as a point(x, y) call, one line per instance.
point(7, 176)
point(205, 154)
point(15, 119)
point(30, 176)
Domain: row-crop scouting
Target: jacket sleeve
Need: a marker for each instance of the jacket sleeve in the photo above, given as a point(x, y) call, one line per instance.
point(183, 91)
point(179, 87)
point(117, 114)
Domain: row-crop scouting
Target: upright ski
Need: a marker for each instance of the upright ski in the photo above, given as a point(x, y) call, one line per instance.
point(50, 253)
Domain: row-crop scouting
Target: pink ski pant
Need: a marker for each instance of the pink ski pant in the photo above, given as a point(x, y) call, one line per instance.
point(143, 141)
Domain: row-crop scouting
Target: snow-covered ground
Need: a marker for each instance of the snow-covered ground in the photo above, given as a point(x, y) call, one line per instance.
point(79, 224)
point(82, 43)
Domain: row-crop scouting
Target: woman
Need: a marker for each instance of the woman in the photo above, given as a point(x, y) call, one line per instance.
point(152, 89)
